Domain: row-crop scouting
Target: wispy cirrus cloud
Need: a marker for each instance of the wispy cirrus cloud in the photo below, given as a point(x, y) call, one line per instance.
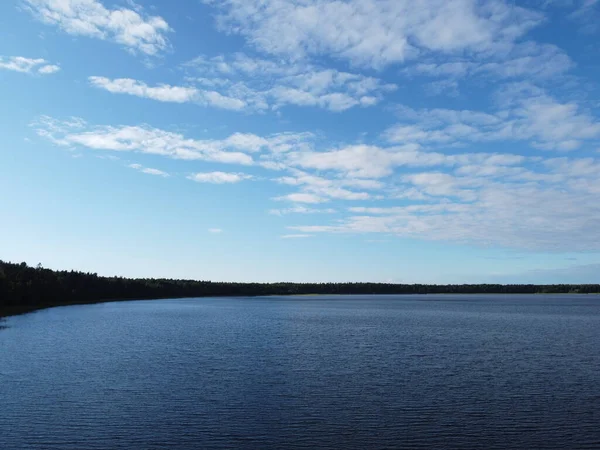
point(264, 83)
point(162, 92)
point(361, 161)
point(219, 177)
point(241, 83)
point(301, 197)
point(28, 65)
point(327, 187)
point(167, 93)
point(586, 13)
point(140, 139)
point(527, 61)
point(526, 114)
point(235, 149)
point(541, 204)
point(149, 170)
point(487, 199)
point(49, 69)
point(375, 33)
point(131, 28)
point(301, 209)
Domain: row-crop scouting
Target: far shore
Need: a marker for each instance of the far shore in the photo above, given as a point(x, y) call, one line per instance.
point(24, 289)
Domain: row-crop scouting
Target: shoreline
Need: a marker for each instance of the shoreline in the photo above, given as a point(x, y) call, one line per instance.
point(25, 289)
point(19, 311)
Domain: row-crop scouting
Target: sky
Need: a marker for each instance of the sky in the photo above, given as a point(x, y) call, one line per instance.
point(430, 141)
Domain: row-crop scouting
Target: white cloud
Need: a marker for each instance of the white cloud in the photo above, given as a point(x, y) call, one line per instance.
point(49, 69)
point(247, 141)
point(260, 84)
point(130, 28)
point(167, 93)
point(525, 60)
point(219, 177)
point(215, 230)
point(28, 65)
point(329, 188)
point(296, 236)
point(302, 197)
point(449, 87)
point(365, 161)
point(443, 185)
point(238, 96)
point(145, 139)
point(532, 116)
point(375, 33)
point(162, 92)
point(544, 204)
point(149, 170)
point(300, 209)
point(213, 98)
point(367, 167)
point(490, 199)
point(421, 208)
point(142, 139)
point(529, 60)
point(587, 13)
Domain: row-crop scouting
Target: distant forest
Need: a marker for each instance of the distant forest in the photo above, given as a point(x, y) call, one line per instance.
point(24, 288)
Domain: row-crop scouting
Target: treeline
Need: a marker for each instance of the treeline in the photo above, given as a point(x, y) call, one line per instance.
point(24, 288)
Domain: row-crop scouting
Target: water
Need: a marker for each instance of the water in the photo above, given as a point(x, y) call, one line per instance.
point(306, 372)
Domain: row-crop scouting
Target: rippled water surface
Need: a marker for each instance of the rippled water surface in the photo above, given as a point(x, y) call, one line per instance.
point(306, 372)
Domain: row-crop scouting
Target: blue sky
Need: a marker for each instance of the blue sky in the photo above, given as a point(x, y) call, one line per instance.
point(438, 141)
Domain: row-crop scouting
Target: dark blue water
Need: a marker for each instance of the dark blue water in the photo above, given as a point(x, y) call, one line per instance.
point(307, 372)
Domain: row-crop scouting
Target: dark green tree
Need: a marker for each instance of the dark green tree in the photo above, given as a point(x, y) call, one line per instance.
point(24, 288)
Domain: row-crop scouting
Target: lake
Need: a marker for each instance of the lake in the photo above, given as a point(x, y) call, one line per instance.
point(356, 372)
